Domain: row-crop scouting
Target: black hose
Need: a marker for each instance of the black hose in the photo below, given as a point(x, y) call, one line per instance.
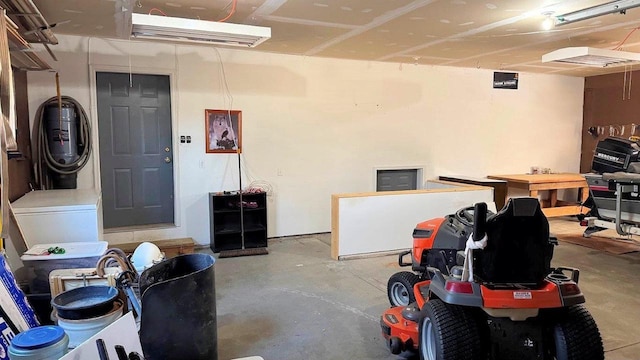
point(42, 154)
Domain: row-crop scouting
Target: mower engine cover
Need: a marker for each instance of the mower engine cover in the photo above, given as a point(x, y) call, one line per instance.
point(437, 241)
point(614, 155)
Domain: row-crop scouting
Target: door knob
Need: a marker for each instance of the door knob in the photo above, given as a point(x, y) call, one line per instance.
point(167, 149)
point(167, 159)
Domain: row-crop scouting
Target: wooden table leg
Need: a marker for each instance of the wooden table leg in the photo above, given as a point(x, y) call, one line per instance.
point(553, 197)
point(534, 194)
point(584, 194)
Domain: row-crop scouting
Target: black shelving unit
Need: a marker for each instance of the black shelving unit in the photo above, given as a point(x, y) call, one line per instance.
point(225, 221)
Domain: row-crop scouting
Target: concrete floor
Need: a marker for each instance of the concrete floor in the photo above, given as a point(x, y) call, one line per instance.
point(298, 303)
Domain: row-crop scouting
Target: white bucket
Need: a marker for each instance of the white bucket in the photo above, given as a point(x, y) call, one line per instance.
point(81, 330)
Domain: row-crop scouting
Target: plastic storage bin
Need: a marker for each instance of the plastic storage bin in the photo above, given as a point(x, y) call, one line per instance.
point(77, 255)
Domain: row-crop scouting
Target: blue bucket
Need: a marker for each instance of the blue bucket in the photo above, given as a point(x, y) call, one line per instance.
point(39, 343)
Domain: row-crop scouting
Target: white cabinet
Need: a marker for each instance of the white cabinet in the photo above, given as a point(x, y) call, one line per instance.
point(59, 216)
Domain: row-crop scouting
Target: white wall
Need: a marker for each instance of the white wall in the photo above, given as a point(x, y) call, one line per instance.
point(324, 124)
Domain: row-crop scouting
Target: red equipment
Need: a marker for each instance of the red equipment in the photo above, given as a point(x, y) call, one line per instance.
point(504, 301)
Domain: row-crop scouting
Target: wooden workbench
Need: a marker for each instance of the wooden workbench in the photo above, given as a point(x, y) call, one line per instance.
point(551, 183)
point(499, 186)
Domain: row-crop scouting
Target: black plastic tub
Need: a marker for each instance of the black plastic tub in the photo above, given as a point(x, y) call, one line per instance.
point(85, 302)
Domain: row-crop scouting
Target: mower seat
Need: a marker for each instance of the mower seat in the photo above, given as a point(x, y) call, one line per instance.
point(518, 250)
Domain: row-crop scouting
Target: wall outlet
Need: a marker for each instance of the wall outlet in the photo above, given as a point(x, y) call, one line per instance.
point(201, 164)
point(279, 172)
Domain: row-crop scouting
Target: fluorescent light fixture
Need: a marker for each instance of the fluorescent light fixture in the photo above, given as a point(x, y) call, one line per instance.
point(155, 27)
point(619, 6)
point(588, 56)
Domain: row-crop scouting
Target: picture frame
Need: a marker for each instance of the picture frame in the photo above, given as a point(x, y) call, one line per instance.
point(223, 131)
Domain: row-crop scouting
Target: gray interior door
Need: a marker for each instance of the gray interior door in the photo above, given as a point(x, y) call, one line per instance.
point(136, 154)
point(393, 180)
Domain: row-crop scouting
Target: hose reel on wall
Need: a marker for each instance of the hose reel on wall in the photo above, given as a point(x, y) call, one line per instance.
point(62, 137)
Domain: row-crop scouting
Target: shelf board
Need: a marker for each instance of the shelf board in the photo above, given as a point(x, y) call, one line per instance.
point(248, 228)
point(223, 211)
point(254, 209)
point(235, 195)
point(252, 228)
point(227, 231)
point(22, 55)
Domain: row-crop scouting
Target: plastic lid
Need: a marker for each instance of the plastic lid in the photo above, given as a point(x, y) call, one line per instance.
point(38, 337)
point(73, 250)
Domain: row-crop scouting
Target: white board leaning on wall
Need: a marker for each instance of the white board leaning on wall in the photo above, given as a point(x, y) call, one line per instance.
point(379, 222)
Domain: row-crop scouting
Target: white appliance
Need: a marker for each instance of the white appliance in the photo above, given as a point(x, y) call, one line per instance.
point(59, 216)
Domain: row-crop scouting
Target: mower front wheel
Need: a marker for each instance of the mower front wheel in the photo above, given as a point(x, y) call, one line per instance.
point(449, 332)
point(400, 288)
point(576, 336)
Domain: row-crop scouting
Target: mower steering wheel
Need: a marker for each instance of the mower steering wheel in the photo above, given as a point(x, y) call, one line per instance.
point(465, 216)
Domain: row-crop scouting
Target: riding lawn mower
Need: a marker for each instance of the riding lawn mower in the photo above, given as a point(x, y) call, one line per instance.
point(484, 289)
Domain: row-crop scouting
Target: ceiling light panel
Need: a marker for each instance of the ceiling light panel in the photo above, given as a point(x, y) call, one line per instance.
point(595, 57)
point(174, 29)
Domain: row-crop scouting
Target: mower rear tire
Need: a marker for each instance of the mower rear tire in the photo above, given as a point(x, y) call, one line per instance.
point(449, 332)
point(400, 288)
point(577, 336)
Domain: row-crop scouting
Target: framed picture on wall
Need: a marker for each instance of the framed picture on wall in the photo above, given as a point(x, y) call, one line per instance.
point(223, 131)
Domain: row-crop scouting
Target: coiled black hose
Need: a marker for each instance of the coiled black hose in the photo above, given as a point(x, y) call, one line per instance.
point(41, 152)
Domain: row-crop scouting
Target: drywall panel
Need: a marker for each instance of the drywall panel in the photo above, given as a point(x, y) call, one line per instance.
point(313, 127)
point(370, 224)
